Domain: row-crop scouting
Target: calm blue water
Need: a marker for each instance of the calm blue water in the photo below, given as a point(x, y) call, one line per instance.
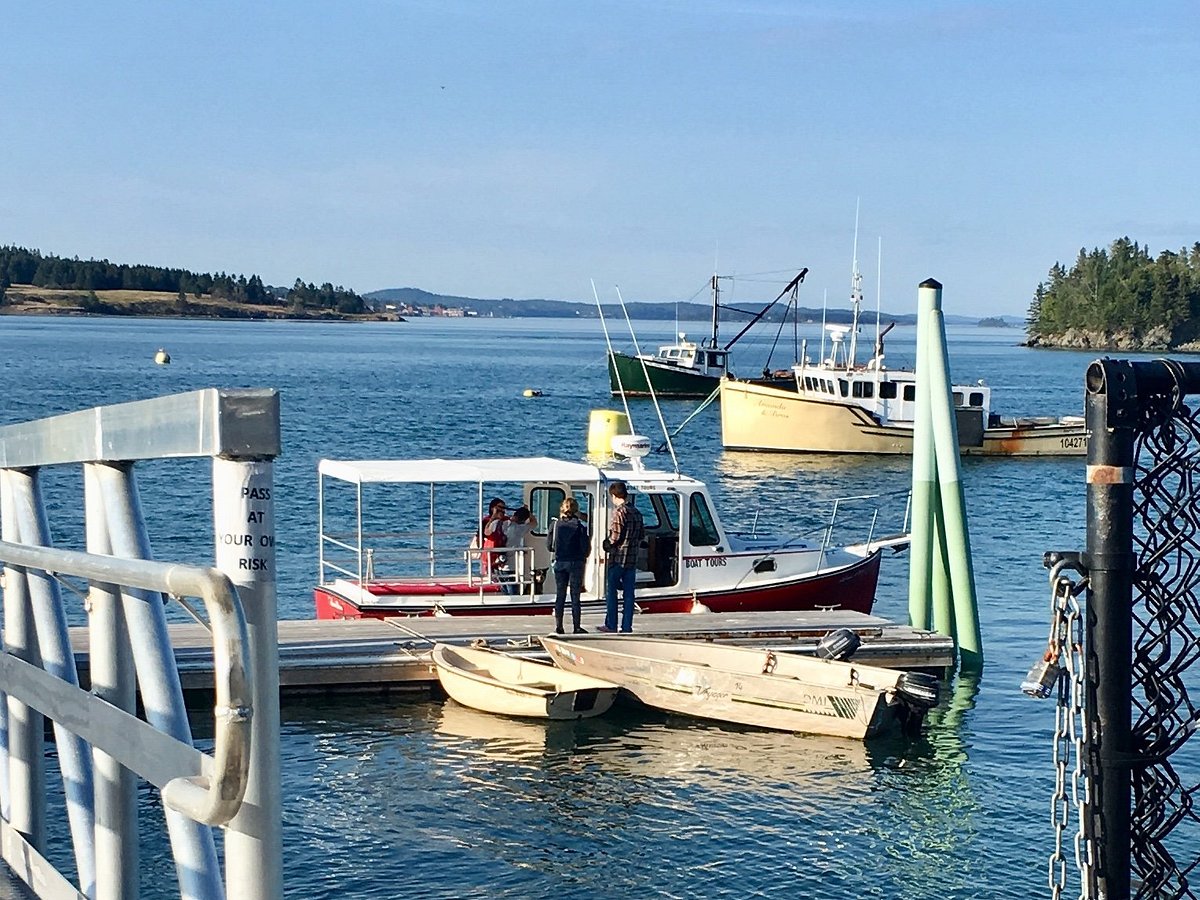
point(386, 798)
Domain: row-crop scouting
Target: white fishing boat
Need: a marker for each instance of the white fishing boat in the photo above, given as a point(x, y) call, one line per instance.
point(495, 682)
point(403, 538)
point(762, 688)
point(839, 406)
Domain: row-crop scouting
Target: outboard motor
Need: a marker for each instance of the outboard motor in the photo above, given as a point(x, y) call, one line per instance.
point(839, 645)
point(918, 692)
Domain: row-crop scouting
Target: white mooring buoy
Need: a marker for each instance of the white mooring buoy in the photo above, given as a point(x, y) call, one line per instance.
point(162, 357)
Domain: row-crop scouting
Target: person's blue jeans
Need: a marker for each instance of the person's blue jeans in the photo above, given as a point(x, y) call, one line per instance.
point(567, 574)
point(623, 578)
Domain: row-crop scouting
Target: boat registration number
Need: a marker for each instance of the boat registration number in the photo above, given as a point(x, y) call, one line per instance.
point(1073, 443)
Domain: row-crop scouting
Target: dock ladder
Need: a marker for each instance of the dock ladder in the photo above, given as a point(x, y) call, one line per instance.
point(102, 744)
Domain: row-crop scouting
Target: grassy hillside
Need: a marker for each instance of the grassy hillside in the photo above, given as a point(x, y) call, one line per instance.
point(25, 299)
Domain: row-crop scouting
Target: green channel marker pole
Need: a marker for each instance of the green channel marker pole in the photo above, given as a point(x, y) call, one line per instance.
point(953, 503)
point(941, 585)
point(924, 490)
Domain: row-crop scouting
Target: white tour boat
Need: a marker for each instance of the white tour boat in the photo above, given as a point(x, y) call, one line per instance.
point(419, 551)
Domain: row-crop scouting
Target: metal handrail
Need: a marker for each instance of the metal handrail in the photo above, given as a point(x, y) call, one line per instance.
point(211, 800)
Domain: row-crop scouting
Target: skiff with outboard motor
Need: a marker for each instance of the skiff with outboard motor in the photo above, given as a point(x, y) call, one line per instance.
point(758, 687)
point(420, 550)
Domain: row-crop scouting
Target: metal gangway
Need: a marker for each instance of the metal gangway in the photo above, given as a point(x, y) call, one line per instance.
point(102, 745)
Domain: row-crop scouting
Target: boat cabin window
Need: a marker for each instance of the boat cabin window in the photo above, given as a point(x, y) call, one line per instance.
point(958, 398)
point(670, 503)
point(828, 385)
point(808, 383)
point(863, 389)
point(910, 392)
point(844, 385)
point(716, 360)
point(702, 530)
point(545, 504)
point(646, 506)
point(977, 398)
point(887, 390)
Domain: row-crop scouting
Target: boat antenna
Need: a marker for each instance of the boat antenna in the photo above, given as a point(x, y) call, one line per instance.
point(855, 294)
point(878, 303)
point(824, 316)
point(649, 384)
point(612, 360)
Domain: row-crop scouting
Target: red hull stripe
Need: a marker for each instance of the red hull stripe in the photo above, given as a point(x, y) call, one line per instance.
point(851, 588)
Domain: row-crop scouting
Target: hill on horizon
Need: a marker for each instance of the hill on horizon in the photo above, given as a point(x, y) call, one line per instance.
point(508, 307)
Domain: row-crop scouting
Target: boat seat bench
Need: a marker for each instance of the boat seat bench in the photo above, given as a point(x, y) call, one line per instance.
point(428, 588)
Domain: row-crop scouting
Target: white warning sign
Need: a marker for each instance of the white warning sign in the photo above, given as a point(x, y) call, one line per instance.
point(244, 520)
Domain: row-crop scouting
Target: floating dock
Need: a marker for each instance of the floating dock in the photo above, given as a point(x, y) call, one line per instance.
point(384, 656)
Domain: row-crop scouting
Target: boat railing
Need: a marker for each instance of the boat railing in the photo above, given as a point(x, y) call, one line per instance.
point(513, 566)
point(378, 554)
point(823, 535)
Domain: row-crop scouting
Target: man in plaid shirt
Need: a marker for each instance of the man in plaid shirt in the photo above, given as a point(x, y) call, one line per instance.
point(625, 533)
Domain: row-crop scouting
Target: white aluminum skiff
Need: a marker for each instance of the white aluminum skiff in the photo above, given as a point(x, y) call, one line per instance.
point(496, 682)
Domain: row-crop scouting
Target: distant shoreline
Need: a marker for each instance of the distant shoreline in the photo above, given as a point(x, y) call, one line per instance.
point(26, 300)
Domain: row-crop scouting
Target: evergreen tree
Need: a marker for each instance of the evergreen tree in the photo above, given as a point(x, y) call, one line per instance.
point(1120, 288)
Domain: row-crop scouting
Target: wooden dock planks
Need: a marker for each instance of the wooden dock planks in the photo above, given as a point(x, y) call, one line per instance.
point(370, 655)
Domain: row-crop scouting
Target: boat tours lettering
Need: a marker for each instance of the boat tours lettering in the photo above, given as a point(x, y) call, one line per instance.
point(695, 562)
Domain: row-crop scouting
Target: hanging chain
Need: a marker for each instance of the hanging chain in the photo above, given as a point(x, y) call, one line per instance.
point(1063, 666)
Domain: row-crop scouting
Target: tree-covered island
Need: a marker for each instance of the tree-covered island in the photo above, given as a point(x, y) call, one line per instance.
point(1121, 298)
point(33, 282)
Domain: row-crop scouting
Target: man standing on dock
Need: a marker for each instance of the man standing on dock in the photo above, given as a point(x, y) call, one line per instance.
point(625, 533)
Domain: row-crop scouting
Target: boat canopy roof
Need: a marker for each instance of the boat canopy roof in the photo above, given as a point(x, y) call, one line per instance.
point(427, 471)
point(521, 468)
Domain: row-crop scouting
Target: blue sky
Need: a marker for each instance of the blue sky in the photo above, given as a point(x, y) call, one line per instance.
point(520, 149)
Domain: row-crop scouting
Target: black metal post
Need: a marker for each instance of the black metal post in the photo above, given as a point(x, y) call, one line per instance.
point(1112, 406)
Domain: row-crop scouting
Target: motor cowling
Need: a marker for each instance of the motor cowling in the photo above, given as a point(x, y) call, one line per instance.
point(919, 689)
point(838, 645)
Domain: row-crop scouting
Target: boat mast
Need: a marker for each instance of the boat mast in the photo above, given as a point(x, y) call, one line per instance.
point(855, 297)
point(716, 293)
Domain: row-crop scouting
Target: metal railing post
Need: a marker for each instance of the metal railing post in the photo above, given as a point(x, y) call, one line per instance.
point(244, 527)
point(25, 802)
point(54, 645)
point(114, 681)
point(162, 695)
point(1112, 398)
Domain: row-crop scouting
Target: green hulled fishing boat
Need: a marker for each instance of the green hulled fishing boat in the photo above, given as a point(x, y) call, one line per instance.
point(688, 369)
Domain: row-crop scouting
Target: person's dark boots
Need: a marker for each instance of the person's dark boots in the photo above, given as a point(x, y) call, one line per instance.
point(558, 629)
